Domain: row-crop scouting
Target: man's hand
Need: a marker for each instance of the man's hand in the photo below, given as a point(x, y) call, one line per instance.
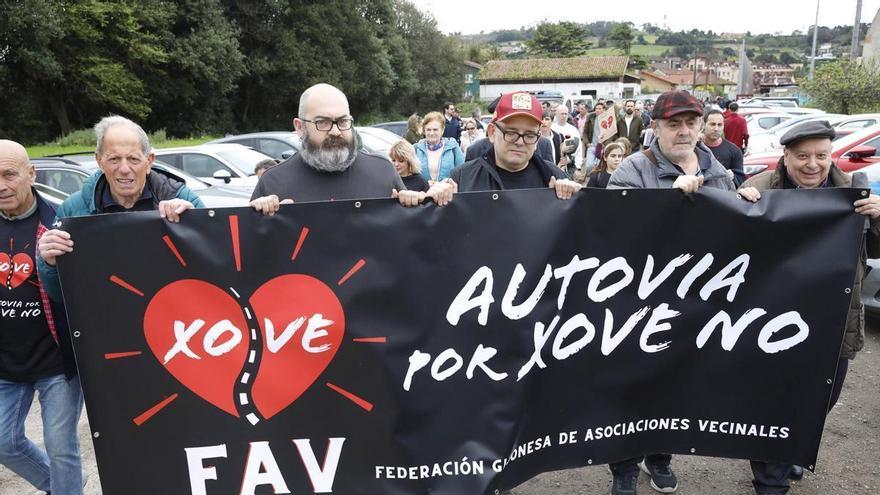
point(172, 208)
point(749, 194)
point(409, 198)
point(688, 183)
point(870, 206)
point(565, 188)
point(442, 192)
point(563, 162)
point(269, 205)
point(54, 243)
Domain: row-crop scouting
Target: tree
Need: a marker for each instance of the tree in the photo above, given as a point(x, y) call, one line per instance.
point(621, 37)
point(787, 58)
point(641, 40)
point(84, 59)
point(562, 39)
point(729, 52)
point(846, 87)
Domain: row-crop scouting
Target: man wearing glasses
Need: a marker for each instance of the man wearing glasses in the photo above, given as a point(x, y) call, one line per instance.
point(330, 167)
point(512, 163)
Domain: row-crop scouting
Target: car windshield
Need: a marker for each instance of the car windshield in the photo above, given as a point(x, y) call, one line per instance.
point(244, 159)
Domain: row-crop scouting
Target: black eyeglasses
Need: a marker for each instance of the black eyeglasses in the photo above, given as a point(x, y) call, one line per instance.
point(512, 136)
point(342, 123)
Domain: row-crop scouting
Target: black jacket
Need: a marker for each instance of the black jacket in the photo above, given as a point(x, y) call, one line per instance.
point(480, 175)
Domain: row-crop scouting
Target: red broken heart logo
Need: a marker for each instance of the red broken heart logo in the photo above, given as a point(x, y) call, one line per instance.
point(206, 338)
point(606, 123)
point(14, 271)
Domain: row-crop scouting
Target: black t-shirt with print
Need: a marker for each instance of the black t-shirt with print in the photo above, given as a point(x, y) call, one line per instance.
point(28, 352)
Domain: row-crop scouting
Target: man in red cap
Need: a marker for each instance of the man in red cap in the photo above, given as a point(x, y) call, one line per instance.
point(511, 164)
point(675, 159)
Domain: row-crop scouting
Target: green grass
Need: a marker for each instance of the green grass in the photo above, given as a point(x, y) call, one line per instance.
point(641, 50)
point(41, 150)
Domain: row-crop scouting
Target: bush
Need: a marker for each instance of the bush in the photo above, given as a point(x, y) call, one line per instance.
point(81, 137)
point(158, 137)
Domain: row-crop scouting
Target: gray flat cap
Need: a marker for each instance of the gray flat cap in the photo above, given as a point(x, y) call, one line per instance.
point(814, 129)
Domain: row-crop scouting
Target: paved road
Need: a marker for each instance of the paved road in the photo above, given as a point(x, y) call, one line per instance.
point(848, 459)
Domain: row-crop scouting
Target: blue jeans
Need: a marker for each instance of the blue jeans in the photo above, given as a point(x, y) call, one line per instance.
point(57, 469)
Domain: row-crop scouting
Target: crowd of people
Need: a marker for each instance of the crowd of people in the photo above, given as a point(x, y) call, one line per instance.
point(673, 143)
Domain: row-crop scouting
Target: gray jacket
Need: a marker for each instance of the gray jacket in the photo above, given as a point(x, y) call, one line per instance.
point(638, 171)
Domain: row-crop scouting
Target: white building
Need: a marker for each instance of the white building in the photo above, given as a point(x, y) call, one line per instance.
point(596, 77)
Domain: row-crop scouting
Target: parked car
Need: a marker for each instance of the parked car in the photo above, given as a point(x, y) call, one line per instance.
point(223, 163)
point(397, 127)
point(760, 122)
point(280, 145)
point(768, 140)
point(858, 121)
point(377, 141)
point(66, 175)
point(853, 152)
point(871, 288)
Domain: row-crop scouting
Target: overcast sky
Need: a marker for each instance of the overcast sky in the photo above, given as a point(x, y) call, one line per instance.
point(757, 16)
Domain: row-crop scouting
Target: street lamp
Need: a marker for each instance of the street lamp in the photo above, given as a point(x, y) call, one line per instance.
point(815, 38)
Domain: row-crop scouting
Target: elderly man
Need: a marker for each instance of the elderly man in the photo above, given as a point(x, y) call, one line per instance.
point(330, 167)
point(573, 154)
point(35, 351)
point(512, 164)
point(806, 164)
point(125, 182)
point(676, 159)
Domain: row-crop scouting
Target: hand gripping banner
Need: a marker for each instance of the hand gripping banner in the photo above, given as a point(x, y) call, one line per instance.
point(360, 347)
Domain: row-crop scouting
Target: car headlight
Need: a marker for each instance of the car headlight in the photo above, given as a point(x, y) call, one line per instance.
point(753, 169)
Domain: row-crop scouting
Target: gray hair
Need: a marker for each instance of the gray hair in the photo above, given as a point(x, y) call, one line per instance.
point(113, 120)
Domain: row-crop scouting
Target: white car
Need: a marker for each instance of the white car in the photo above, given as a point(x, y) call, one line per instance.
point(760, 122)
point(216, 163)
point(769, 139)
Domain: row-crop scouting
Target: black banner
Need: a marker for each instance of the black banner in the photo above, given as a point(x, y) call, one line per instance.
point(363, 347)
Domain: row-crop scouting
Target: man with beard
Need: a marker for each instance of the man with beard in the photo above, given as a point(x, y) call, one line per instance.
point(726, 152)
point(330, 167)
point(630, 126)
point(675, 159)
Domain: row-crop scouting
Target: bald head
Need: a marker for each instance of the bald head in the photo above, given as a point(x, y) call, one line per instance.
point(10, 151)
point(320, 96)
point(16, 179)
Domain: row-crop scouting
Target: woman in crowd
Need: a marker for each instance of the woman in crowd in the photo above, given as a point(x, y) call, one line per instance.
point(403, 156)
point(413, 131)
point(437, 155)
point(470, 134)
point(612, 155)
point(627, 146)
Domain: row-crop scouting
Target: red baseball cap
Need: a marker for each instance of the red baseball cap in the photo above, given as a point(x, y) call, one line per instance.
point(518, 103)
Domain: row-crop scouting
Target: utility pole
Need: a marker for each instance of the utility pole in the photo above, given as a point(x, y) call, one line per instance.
point(857, 27)
point(815, 38)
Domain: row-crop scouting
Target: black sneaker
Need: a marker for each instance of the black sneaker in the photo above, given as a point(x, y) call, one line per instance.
point(625, 484)
point(796, 473)
point(663, 479)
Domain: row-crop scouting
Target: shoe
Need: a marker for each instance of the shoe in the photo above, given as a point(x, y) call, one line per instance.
point(796, 473)
point(625, 484)
point(663, 479)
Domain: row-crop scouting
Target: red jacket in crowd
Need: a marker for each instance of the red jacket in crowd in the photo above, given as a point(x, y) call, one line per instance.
point(735, 129)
